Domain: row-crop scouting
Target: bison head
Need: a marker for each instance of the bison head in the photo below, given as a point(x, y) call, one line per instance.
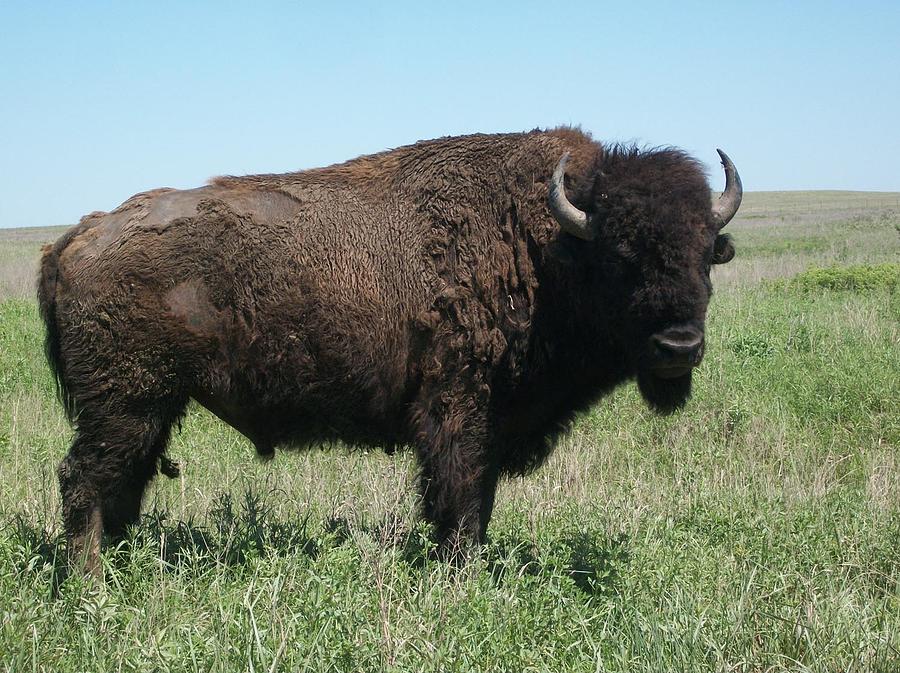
point(650, 235)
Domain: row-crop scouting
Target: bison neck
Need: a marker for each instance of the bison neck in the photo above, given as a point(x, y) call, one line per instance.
point(573, 358)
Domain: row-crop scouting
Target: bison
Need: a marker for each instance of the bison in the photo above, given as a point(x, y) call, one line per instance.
point(464, 297)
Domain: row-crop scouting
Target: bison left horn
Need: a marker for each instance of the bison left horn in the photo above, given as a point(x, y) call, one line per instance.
point(571, 219)
point(728, 204)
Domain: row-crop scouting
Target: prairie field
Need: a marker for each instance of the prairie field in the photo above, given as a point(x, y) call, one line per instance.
point(756, 530)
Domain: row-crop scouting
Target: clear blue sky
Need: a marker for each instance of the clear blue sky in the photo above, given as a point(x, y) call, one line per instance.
point(102, 100)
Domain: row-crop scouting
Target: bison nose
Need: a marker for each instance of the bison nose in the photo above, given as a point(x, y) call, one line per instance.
point(677, 349)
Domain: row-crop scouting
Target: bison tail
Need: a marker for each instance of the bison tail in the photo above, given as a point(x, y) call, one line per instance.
point(46, 292)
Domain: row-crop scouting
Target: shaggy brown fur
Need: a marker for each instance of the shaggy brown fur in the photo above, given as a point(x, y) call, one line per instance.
point(423, 296)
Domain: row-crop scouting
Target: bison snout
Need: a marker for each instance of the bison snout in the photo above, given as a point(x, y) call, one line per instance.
point(676, 350)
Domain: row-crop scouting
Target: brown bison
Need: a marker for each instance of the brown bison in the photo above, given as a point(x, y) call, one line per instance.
point(463, 296)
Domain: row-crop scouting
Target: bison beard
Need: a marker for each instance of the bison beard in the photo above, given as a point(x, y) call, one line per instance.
point(664, 395)
point(465, 297)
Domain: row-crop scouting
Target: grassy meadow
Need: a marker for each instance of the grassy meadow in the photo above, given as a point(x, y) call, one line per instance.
point(757, 530)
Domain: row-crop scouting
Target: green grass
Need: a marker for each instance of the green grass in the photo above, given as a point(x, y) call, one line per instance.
point(858, 278)
point(757, 530)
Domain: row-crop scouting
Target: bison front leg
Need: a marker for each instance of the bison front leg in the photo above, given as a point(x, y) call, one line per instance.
point(458, 481)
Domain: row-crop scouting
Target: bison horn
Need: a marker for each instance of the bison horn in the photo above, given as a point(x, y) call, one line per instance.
point(571, 219)
point(728, 204)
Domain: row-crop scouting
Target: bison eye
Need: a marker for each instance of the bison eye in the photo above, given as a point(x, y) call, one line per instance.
point(723, 249)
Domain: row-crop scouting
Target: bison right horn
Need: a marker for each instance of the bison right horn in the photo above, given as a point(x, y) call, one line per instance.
point(728, 204)
point(571, 219)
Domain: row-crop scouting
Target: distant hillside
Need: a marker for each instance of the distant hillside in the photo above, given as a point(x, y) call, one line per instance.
point(814, 201)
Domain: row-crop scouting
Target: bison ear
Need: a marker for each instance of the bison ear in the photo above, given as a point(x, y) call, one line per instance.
point(723, 249)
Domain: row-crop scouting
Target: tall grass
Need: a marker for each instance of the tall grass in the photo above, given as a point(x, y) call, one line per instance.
point(757, 530)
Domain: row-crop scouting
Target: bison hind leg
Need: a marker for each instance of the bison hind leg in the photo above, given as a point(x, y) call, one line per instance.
point(122, 503)
point(103, 477)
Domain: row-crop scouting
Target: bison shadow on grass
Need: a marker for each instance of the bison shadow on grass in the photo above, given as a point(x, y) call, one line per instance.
point(237, 534)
